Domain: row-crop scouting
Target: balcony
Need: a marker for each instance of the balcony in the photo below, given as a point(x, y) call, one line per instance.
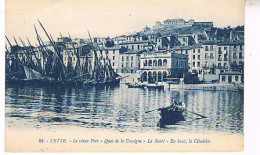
point(155, 67)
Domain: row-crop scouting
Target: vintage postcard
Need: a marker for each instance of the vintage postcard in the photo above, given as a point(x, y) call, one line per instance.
point(124, 76)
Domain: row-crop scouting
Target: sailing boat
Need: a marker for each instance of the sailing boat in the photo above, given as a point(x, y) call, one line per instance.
point(172, 114)
point(102, 72)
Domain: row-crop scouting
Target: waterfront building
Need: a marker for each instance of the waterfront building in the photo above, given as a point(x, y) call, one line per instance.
point(237, 55)
point(209, 66)
point(134, 45)
point(156, 66)
point(230, 77)
point(195, 57)
point(114, 56)
point(129, 62)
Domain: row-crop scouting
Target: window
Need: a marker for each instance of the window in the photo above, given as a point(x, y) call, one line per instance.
point(193, 50)
point(113, 51)
point(198, 50)
point(219, 58)
point(193, 64)
point(193, 57)
point(225, 48)
point(122, 58)
point(145, 63)
point(132, 58)
point(73, 58)
point(113, 57)
point(219, 65)
point(138, 46)
point(122, 66)
point(198, 64)
point(211, 56)
point(150, 63)
point(133, 47)
point(159, 62)
point(234, 55)
point(126, 64)
point(219, 50)
point(113, 64)
point(223, 78)
point(131, 64)
point(225, 57)
point(126, 58)
point(164, 62)
point(211, 47)
point(206, 55)
point(198, 57)
point(240, 55)
point(236, 78)
point(206, 48)
point(184, 39)
point(241, 47)
point(154, 62)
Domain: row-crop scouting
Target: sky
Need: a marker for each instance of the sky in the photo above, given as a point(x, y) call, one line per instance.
point(112, 17)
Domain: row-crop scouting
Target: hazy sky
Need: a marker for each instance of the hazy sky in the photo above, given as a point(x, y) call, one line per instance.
point(112, 17)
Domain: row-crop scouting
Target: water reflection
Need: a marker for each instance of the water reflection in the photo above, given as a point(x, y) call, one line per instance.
point(123, 109)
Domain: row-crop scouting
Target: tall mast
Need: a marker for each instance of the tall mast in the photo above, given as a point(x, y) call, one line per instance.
point(55, 50)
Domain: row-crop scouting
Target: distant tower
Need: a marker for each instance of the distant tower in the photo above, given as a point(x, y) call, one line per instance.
point(146, 28)
point(158, 23)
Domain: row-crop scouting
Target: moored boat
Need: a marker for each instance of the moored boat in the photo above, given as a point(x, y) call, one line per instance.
point(134, 85)
point(154, 85)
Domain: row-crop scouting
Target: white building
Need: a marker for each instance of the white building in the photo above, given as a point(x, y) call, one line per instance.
point(129, 62)
point(155, 66)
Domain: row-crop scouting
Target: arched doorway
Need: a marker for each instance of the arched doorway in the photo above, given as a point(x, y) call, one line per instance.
point(159, 76)
point(150, 77)
point(144, 76)
point(164, 75)
point(154, 76)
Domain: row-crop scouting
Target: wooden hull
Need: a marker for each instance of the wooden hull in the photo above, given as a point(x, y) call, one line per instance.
point(154, 86)
point(134, 86)
point(112, 82)
point(42, 82)
point(170, 116)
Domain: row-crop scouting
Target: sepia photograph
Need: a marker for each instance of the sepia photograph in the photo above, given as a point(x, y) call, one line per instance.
point(124, 76)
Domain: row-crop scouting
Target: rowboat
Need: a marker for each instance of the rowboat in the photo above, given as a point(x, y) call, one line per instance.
point(172, 114)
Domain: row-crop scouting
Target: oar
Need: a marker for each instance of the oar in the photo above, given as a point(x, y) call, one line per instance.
point(196, 114)
point(151, 110)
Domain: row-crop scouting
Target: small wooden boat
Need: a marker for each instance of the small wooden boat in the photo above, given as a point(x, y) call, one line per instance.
point(155, 86)
point(172, 114)
point(134, 85)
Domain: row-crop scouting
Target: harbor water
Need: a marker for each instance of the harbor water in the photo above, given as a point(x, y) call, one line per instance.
point(121, 109)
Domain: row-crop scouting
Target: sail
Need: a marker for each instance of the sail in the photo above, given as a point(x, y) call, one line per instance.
point(31, 74)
